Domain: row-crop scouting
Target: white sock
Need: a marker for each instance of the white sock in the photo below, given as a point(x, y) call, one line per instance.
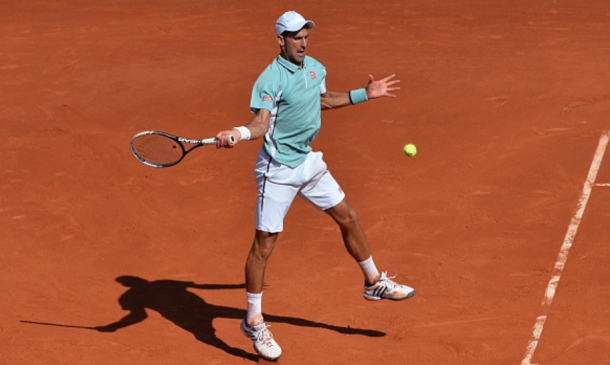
point(254, 306)
point(369, 270)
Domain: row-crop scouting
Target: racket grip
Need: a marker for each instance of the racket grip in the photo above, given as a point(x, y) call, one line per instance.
point(211, 141)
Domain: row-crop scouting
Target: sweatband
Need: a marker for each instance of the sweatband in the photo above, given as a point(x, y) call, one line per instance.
point(245, 133)
point(358, 96)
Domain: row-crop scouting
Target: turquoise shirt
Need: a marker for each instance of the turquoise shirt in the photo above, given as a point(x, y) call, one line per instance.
point(292, 95)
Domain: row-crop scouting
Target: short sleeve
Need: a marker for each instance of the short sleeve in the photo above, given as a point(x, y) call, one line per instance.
point(265, 91)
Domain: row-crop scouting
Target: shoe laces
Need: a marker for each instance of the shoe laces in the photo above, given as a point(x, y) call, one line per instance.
point(388, 280)
point(265, 336)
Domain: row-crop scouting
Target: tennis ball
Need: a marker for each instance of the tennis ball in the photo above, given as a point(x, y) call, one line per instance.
point(410, 150)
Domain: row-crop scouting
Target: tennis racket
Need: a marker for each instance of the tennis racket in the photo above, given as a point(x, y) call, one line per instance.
point(159, 149)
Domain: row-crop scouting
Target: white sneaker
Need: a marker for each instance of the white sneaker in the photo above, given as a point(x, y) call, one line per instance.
point(385, 288)
point(263, 341)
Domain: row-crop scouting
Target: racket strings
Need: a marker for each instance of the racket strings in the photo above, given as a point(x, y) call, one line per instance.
point(158, 149)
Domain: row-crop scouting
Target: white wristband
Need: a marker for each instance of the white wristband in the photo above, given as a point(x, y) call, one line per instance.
point(245, 133)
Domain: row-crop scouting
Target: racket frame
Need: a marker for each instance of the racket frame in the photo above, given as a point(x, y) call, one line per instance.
point(179, 140)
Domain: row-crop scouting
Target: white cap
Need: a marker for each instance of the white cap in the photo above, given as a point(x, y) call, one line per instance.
point(292, 21)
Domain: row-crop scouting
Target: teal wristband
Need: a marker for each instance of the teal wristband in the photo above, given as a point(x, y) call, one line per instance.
point(358, 96)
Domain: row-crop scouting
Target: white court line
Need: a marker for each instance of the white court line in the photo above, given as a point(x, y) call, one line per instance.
point(565, 248)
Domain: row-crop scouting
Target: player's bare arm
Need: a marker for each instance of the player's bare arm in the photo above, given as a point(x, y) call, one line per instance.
point(375, 89)
point(258, 127)
point(334, 100)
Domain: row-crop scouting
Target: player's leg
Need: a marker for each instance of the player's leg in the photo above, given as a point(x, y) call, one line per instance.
point(354, 239)
point(253, 326)
point(323, 191)
point(275, 195)
point(325, 194)
point(353, 236)
point(376, 286)
point(262, 247)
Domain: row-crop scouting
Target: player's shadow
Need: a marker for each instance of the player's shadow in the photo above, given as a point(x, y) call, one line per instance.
point(174, 301)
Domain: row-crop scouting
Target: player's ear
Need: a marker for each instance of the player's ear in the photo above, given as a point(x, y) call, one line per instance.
point(280, 40)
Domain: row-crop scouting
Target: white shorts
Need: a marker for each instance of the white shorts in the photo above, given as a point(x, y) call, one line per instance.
point(278, 185)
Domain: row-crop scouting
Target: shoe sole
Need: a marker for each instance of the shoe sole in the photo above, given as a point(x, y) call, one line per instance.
point(375, 298)
point(267, 358)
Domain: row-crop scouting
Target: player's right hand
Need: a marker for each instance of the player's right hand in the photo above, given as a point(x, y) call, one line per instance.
point(224, 138)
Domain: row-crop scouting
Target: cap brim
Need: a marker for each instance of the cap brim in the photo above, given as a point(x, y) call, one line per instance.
point(295, 27)
point(309, 24)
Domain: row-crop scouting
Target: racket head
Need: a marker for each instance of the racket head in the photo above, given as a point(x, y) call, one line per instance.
point(157, 149)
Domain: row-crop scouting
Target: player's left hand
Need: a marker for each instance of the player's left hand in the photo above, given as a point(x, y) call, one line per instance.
point(383, 87)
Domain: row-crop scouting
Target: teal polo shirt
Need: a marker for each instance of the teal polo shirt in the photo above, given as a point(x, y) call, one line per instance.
point(292, 95)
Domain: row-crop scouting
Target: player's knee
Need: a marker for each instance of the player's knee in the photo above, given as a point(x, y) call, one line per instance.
point(349, 218)
point(263, 246)
point(259, 253)
point(264, 251)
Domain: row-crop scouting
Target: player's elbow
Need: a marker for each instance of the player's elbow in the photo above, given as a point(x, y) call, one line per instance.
point(260, 131)
point(326, 102)
point(258, 128)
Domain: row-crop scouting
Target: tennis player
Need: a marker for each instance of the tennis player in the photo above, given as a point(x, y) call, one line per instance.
point(287, 100)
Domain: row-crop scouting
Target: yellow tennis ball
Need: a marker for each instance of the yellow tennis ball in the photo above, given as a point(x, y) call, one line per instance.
point(410, 150)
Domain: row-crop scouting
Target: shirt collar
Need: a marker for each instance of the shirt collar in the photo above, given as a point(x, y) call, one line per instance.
point(289, 65)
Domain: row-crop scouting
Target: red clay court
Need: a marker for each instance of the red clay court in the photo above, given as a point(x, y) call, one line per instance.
point(507, 102)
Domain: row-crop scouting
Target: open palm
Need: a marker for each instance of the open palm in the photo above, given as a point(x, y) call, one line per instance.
point(383, 87)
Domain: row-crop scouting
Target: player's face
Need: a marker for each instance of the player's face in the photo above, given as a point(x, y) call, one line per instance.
point(293, 45)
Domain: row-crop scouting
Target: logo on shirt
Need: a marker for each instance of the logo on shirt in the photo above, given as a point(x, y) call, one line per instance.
point(268, 98)
point(313, 74)
point(340, 190)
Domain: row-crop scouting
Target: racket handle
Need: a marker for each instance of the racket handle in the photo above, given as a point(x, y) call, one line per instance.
point(211, 141)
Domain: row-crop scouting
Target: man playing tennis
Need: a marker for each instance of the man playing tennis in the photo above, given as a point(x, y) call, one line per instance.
point(287, 100)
